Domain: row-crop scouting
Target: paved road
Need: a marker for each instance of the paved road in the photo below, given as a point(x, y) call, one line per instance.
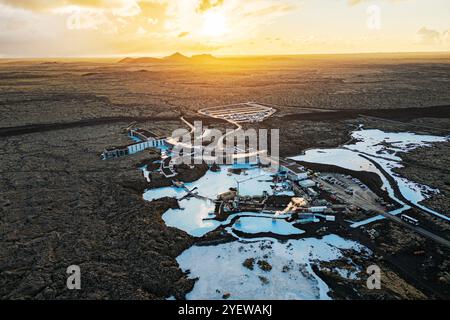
point(420, 230)
point(220, 143)
point(188, 124)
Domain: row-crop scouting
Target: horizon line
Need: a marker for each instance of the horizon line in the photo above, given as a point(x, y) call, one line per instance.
point(255, 55)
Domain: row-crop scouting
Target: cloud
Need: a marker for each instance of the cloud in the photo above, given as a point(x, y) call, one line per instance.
point(183, 34)
point(446, 36)
point(433, 37)
point(152, 21)
point(72, 27)
point(242, 18)
point(42, 5)
point(206, 5)
point(355, 2)
point(270, 9)
point(429, 36)
point(87, 20)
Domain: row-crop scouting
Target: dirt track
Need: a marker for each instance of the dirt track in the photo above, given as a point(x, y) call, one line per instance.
point(401, 114)
point(35, 128)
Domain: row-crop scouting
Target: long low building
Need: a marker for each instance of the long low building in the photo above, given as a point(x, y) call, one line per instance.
point(294, 171)
point(141, 146)
point(116, 152)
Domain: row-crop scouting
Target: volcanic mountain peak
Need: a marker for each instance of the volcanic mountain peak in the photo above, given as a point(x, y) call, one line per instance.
point(177, 57)
point(140, 60)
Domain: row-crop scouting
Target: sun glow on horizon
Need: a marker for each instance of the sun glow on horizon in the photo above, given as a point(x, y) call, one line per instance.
point(74, 28)
point(215, 24)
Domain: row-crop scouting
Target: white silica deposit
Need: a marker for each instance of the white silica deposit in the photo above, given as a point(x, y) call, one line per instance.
point(291, 276)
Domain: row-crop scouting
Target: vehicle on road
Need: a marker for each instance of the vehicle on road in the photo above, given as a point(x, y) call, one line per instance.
point(410, 220)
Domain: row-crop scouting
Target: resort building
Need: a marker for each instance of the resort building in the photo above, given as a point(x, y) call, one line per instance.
point(167, 168)
point(145, 140)
point(114, 152)
point(306, 184)
point(294, 171)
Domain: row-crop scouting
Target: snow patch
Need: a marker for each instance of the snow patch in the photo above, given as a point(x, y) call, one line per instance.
point(291, 275)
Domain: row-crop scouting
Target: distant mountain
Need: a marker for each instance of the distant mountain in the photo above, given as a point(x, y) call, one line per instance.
point(177, 57)
point(174, 58)
point(140, 60)
point(204, 58)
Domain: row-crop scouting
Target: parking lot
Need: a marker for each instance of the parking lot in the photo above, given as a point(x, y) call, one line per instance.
point(350, 190)
point(243, 112)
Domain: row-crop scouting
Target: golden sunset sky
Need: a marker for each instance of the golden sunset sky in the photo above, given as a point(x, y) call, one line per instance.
point(85, 28)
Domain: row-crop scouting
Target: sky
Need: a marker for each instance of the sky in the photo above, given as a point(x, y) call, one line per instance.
point(109, 28)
